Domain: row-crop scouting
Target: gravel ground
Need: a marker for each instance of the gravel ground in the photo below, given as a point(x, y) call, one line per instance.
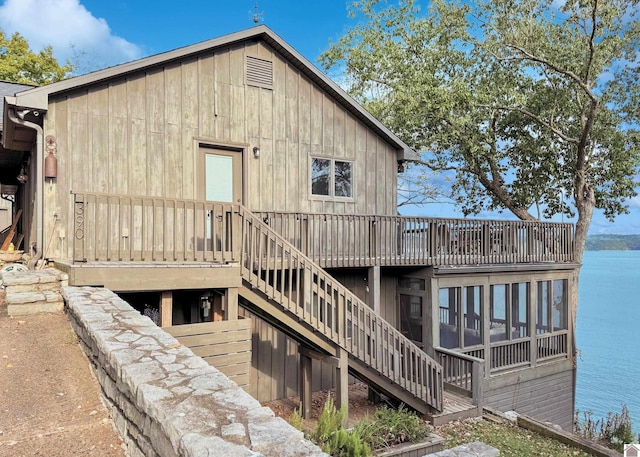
point(49, 398)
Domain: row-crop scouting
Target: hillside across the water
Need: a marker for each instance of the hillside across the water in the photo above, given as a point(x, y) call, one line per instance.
point(613, 243)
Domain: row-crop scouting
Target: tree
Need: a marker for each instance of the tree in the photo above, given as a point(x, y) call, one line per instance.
point(18, 63)
point(527, 101)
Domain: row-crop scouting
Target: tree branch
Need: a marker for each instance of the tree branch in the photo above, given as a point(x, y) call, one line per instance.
point(538, 119)
point(554, 67)
point(594, 17)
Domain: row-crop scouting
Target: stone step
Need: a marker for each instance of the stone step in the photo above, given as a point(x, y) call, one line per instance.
point(22, 303)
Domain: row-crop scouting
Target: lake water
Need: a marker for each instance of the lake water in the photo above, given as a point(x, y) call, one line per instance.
point(608, 334)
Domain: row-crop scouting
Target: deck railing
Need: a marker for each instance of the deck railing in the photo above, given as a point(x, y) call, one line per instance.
point(346, 240)
point(277, 268)
point(463, 372)
point(552, 345)
point(111, 227)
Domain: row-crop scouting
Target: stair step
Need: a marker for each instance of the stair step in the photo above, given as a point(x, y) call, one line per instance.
point(24, 303)
point(455, 408)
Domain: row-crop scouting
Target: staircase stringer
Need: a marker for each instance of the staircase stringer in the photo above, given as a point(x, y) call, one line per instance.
point(297, 287)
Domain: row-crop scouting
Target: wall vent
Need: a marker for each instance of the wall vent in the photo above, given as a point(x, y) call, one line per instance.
point(259, 72)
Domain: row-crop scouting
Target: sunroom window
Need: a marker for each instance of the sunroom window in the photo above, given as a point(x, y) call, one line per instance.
point(552, 304)
point(460, 314)
point(509, 311)
point(331, 178)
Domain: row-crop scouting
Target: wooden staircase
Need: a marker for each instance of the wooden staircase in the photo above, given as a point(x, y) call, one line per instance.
point(315, 308)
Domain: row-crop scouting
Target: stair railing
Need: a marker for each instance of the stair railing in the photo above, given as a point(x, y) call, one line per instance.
point(284, 274)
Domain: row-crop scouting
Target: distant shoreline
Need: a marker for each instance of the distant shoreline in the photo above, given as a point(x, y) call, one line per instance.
point(613, 243)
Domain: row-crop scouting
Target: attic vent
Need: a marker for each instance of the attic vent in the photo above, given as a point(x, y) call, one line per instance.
point(259, 72)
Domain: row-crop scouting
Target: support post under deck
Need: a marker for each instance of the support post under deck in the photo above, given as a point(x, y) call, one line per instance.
point(231, 304)
point(166, 308)
point(342, 382)
point(305, 386)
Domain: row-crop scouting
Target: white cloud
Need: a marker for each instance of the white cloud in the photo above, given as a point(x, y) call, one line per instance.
point(70, 28)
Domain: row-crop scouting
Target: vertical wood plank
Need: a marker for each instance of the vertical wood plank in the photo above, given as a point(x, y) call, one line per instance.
point(166, 308)
point(136, 108)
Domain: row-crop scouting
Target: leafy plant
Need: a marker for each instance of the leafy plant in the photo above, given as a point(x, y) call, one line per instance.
point(392, 426)
point(329, 422)
point(343, 443)
point(296, 419)
point(332, 437)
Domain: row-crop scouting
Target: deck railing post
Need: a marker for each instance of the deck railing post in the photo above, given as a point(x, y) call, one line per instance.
point(477, 382)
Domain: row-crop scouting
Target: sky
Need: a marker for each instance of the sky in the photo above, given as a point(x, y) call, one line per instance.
point(98, 33)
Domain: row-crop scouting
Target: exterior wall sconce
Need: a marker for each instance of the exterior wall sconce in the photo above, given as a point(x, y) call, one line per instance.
point(205, 303)
point(256, 152)
point(51, 161)
point(22, 176)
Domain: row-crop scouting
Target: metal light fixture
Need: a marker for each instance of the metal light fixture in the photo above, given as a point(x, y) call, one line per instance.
point(256, 152)
point(22, 176)
point(205, 303)
point(23, 112)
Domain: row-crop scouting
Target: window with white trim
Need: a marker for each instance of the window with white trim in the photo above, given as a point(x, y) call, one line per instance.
point(331, 178)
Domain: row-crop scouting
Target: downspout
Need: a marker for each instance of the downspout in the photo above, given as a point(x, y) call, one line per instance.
point(39, 177)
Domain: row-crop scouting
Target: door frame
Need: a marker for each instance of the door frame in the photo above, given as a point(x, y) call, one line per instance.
point(202, 146)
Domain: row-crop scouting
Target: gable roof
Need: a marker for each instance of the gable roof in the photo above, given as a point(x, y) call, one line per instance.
point(37, 98)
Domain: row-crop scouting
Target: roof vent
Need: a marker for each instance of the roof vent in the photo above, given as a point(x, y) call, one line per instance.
point(259, 72)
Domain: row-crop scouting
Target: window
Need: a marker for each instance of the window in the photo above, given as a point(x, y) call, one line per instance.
point(509, 311)
point(331, 178)
point(460, 314)
point(551, 310)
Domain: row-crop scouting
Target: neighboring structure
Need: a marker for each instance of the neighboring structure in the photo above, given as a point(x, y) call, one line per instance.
point(232, 178)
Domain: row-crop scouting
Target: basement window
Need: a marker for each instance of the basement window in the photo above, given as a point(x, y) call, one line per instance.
point(331, 178)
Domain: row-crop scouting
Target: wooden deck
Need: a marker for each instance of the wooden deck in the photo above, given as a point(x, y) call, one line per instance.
point(138, 276)
point(123, 228)
point(136, 244)
point(455, 407)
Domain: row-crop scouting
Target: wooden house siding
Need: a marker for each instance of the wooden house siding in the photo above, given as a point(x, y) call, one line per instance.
point(138, 134)
point(275, 363)
point(356, 280)
point(548, 398)
point(225, 345)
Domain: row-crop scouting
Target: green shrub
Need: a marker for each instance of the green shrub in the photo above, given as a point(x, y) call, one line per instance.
point(296, 419)
point(331, 436)
point(392, 426)
point(343, 443)
point(329, 422)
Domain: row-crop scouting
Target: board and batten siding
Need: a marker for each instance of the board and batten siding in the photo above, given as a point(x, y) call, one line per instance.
point(138, 134)
point(275, 363)
point(356, 280)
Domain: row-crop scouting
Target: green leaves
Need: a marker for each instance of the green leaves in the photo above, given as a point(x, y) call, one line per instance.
point(531, 102)
point(20, 64)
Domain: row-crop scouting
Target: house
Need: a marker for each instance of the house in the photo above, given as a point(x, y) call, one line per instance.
point(231, 179)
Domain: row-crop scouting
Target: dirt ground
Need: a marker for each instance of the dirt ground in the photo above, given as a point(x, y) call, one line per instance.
point(49, 398)
point(359, 406)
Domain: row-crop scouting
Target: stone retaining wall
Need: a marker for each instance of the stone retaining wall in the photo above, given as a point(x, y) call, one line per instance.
point(165, 401)
point(33, 291)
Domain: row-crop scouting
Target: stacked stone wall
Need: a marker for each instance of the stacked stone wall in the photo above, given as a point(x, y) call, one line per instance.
point(165, 401)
